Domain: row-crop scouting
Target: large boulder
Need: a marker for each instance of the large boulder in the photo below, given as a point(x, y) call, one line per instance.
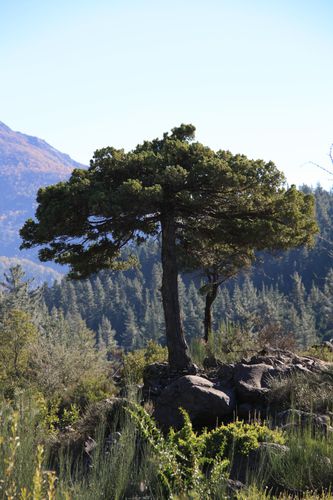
point(252, 381)
point(203, 400)
point(157, 376)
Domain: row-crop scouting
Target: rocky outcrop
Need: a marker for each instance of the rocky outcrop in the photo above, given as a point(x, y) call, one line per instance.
point(222, 391)
point(204, 401)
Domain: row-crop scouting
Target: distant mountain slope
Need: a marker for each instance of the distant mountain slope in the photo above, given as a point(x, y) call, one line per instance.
point(40, 273)
point(26, 164)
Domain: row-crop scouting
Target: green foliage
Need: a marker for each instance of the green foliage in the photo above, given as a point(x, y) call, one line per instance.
point(135, 362)
point(67, 365)
point(70, 416)
point(17, 336)
point(305, 467)
point(238, 437)
point(23, 473)
point(143, 461)
point(18, 292)
point(200, 463)
point(321, 352)
point(48, 416)
point(165, 451)
point(90, 389)
point(228, 344)
point(190, 455)
point(266, 314)
point(253, 492)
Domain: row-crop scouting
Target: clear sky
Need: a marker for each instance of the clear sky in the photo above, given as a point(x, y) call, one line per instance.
point(254, 76)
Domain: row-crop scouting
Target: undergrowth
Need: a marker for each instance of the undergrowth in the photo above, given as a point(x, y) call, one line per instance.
point(129, 457)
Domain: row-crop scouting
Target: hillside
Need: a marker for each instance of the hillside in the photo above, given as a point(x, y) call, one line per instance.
point(26, 164)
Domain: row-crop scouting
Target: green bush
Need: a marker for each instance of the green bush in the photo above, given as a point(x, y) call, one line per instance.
point(200, 462)
point(135, 362)
point(143, 461)
point(238, 437)
point(321, 352)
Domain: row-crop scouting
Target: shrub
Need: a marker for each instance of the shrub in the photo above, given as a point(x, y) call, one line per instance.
point(321, 352)
point(22, 462)
point(307, 465)
point(189, 461)
point(135, 362)
point(238, 437)
point(224, 345)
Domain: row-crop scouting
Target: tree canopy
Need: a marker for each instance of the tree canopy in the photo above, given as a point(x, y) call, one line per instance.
point(175, 187)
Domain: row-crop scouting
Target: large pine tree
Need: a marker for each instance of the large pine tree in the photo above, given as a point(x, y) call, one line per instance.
point(169, 186)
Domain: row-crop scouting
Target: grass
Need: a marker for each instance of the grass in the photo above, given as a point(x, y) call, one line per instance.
point(303, 391)
point(223, 345)
point(130, 463)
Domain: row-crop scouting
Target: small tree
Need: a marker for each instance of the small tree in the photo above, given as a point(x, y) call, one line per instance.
point(17, 334)
point(17, 292)
point(217, 262)
point(163, 186)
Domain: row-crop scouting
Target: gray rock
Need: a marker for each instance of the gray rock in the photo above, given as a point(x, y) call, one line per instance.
point(204, 401)
point(297, 418)
point(225, 373)
point(252, 381)
point(233, 487)
point(156, 377)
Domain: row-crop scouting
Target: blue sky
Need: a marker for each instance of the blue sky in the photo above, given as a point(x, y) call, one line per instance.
point(255, 77)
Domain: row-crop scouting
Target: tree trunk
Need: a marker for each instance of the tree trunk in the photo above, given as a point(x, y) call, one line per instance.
point(210, 297)
point(179, 358)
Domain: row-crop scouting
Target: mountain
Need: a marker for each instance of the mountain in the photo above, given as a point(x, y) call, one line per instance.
point(26, 164)
point(39, 273)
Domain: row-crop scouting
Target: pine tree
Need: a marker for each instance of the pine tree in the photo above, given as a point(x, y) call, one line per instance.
point(18, 294)
point(17, 334)
point(174, 187)
point(131, 338)
point(298, 293)
point(106, 335)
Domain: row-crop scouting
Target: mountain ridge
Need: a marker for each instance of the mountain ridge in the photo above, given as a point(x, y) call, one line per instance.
point(32, 154)
point(26, 164)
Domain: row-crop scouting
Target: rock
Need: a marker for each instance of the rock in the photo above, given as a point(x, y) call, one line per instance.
point(328, 344)
point(243, 465)
point(297, 418)
point(252, 381)
point(211, 362)
point(233, 487)
point(204, 401)
point(155, 378)
point(225, 373)
point(248, 411)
